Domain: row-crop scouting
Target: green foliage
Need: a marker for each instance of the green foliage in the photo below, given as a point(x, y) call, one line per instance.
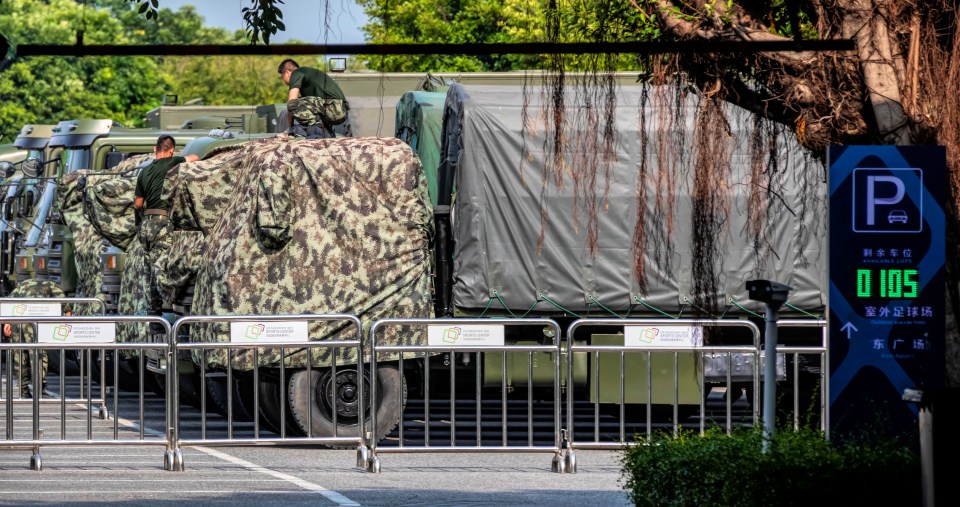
point(184, 26)
point(228, 80)
point(147, 8)
point(50, 89)
point(263, 20)
point(779, 20)
point(47, 90)
point(801, 468)
point(501, 21)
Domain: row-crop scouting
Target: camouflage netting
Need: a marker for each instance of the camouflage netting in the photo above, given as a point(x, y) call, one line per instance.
point(88, 242)
point(108, 216)
point(190, 224)
point(109, 206)
point(306, 226)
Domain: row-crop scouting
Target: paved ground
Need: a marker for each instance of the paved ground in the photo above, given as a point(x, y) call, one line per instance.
point(274, 476)
point(267, 475)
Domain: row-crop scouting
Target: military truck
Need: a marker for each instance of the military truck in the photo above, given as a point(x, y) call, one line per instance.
point(38, 240)
point(101, 249)
point(11, 154)
point(20, 189)
point(487, 262)
point(194, 115)
point(108, 212)
point(564, 246)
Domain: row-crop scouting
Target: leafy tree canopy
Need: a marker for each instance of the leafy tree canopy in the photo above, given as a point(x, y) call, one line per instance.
point(50, 89)
point(47, 90)
point(500, 21)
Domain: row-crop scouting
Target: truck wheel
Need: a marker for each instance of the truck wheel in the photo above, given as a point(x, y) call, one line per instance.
point(217, 393)
point(270, 409)
point(319, 394)
point(128, 381)
point(189, 386)
point(70, 362)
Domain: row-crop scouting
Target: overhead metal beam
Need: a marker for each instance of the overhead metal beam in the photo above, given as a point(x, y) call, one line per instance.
point(679, 47)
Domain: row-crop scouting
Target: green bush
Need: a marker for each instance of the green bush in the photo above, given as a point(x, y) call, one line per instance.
point(801, 468)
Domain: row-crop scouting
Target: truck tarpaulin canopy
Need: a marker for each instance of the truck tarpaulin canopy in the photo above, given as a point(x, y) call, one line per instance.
point(418, 123)
point(503, 199)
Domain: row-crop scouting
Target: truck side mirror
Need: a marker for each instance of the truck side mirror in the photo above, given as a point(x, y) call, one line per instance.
point(32, 167)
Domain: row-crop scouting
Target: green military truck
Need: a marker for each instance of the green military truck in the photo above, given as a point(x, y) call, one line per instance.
point(489, 261)
point(21, 188)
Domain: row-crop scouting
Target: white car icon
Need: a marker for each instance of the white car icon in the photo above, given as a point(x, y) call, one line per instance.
point(897, 215)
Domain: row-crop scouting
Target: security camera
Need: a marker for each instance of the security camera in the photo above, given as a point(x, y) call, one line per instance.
point(765, 291)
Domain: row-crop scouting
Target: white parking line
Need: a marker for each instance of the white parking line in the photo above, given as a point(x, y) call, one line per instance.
point(331, 495)
point(76, 493)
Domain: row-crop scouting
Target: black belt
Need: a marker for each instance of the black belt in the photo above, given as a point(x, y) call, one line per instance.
point(161, 212)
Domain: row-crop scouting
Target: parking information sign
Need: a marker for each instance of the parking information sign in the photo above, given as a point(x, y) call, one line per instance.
point(887, 281)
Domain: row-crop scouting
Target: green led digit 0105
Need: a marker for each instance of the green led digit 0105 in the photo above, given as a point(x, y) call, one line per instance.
point(887, 283)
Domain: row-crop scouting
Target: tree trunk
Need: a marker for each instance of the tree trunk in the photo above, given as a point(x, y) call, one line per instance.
point(864, 24)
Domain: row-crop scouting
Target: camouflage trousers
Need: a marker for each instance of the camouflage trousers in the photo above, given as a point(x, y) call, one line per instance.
point(24, 333)
point(23, 360)
point(313, 110)
point(154, 237)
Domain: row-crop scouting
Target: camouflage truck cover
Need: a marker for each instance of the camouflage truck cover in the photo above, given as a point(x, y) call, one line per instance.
point(295, 226)
point(101, 212)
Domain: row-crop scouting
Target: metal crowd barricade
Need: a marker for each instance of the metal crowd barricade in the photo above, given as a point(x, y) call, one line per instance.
point(81, 333)
point(174, 459)
point(824, 379)
point(470, 336)
point(647, 344)
point(42, 306)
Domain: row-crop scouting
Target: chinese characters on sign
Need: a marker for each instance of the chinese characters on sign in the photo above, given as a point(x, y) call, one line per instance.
point(887, 234)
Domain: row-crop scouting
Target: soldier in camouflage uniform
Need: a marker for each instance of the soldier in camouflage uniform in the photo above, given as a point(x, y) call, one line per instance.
point(148, 198)
point(23, 333)
point(314, 99)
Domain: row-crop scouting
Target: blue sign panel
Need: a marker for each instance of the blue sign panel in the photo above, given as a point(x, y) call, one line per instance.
point(887, 281)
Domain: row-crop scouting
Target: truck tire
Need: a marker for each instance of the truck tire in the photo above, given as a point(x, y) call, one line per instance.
point(217, 393)
point(128, 381)
point(189, 386)
point(310, 394)
point(70, 362)
point(128, 370)
point(270, 409)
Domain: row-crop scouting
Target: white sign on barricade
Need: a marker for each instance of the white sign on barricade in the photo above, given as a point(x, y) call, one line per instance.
point(465, 336)
point(663, 336)
point(268, 331)
point(29, 309)
point(75, 333)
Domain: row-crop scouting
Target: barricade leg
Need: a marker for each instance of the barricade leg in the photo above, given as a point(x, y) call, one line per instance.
point(558, 465)
point(102, 413)
point(36, 462)
point(569, 456)
point(363, 454)
point(373, 464)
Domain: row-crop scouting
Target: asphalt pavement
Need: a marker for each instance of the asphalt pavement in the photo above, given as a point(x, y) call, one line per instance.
point(269, 475)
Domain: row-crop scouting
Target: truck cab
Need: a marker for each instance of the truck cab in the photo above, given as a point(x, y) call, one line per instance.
point(23, 183)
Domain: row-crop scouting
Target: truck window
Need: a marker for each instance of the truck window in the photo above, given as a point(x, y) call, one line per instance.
point(75, 160)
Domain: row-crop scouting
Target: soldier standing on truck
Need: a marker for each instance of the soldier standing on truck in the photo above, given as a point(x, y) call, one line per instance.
point(152, 211)
point(314, 98)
